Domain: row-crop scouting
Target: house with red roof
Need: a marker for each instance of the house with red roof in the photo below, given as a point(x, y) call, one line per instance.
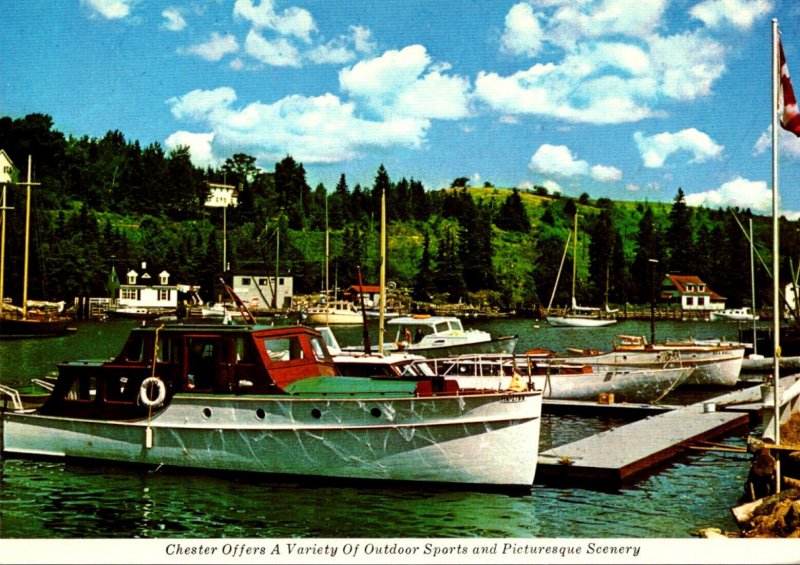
point(690, 293)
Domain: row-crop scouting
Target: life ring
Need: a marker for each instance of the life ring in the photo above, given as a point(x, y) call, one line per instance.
point(144, 395)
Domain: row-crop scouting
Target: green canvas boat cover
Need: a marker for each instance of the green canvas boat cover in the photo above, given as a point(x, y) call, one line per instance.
point(351, 386)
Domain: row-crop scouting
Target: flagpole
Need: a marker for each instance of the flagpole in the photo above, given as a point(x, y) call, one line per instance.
point(776, 308)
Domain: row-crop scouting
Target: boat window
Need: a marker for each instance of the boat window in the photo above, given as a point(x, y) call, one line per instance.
point(164, 350)
point(83, 389)
point(441, 327)
point(320, 351)
point(245, 353)
point(455, 325)
point(134, 349)
point(283, 349)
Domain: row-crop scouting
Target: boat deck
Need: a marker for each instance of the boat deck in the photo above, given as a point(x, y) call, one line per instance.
point(610, 459)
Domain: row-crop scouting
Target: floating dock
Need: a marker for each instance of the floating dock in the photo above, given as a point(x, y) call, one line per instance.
point(611, 458)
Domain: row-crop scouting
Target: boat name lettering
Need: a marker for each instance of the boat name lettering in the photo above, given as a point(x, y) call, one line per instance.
point(513, 398)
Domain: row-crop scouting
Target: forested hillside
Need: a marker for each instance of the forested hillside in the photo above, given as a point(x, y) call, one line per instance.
point(111, 202)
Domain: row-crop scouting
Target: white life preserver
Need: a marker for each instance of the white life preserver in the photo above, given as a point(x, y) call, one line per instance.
point(144, 395)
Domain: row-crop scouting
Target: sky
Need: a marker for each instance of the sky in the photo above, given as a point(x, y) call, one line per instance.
point(624, 99)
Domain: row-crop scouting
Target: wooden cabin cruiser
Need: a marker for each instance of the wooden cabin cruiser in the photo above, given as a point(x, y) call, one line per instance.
point(250, 398)
point(442, 336)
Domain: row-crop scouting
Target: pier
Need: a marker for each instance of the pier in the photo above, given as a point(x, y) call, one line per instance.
point(617, 456)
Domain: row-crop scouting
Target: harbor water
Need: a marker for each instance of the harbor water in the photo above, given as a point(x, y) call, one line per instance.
point(53, 499)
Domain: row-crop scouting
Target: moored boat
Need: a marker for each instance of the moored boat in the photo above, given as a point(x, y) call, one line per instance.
point(562, 380)
point(248, 398)
point(442, 336)
point(338, 312)
point(744, 314)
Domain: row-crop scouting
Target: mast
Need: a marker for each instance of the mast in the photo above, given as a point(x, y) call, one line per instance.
point(753, 288)
point(382, 305)
point(28, 185)
point(574, 258)
point(776, 309)
point(3, 249)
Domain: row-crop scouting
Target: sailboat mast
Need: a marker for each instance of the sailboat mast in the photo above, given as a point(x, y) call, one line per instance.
point(776, 309)
point(27, 241)
point(3, 250)
point(574, 258)
point(753, 287)
point(382, 305)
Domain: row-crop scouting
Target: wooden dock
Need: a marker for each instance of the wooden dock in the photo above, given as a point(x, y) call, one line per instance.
point(614, 457)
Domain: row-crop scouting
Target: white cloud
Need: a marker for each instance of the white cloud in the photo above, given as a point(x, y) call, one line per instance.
point(199, 145)
point(343, 49)
point(216, 47)
point(552, 186)
point(293, 21)
point(738, 13)
point(174, 19)
point(200, 104)
point(739, 192)
point(788, 143)
point(615, 68)
point(362, 39)
point(278, 53)
point(523, 33)
point(603, 173)
point(109, 9)
point(405, 84)
point(657, 148)
point(320, 129)
point(557, 160)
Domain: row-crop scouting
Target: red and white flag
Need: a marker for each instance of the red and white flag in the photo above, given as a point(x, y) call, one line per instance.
point(787, 103)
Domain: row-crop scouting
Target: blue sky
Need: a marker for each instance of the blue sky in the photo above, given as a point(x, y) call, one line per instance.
point(627, 99)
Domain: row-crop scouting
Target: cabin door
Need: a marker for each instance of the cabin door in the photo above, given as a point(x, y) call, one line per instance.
point(207, 366)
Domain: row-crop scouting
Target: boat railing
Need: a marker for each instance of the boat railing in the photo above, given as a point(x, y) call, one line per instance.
point(13, 394)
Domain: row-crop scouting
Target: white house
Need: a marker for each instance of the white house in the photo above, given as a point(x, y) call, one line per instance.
point(258, 291)
point(691, 293)
point(141, 289)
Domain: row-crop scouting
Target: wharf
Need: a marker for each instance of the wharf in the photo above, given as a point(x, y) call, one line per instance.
point(614, 457)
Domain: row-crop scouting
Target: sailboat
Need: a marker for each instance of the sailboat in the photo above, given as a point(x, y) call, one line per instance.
point(20, 321)
point(577, 316)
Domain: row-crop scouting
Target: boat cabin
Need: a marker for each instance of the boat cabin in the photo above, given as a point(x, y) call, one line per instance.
point(213, 359)
point(417, 327)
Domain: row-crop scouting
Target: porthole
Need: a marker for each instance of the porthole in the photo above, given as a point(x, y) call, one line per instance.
point(260, 414)
point(316, 413)
point(207, 412)
point(376, 412)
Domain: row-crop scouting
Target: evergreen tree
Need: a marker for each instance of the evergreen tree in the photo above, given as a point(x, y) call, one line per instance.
point(449, 272)
point(512, 215)
point(424, 280)
point(648, 246)
point(679, 237)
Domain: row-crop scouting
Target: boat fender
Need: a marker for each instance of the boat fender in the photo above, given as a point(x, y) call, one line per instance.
point(144, 392)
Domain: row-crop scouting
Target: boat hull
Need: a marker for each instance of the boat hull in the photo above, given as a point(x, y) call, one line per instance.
point(23, 328)
point(630, 386)
point(713, 367)
point(341, 319)
point(579, 322)
point(505, 344)
point(482, 439)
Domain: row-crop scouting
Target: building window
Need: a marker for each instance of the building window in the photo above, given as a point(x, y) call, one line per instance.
point(163, 294)
point(246, 281)
point(690, 301)
point(262, 282)
point(127, 294)
point(280, 281)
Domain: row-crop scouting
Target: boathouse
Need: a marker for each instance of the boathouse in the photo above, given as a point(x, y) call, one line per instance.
point(260, 291)
point(371, 292)
point(690, 293)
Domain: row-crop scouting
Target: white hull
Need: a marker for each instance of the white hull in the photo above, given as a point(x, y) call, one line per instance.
point(715, 367)
point(340, 318)
point(579, 321)
point(643, 385)
point(733, 315)
point(483, 439)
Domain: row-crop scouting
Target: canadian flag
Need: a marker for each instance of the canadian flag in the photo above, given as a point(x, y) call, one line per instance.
point(787, 103)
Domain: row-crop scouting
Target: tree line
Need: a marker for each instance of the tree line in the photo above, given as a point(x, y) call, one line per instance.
point(109, 202)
